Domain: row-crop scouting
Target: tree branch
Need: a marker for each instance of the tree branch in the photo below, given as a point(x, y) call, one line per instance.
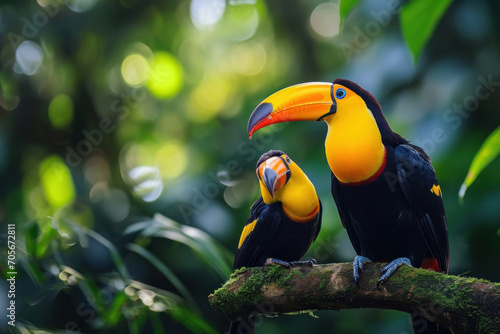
point(465, 305)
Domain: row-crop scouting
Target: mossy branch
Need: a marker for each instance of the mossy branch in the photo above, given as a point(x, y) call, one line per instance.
point(464, 305)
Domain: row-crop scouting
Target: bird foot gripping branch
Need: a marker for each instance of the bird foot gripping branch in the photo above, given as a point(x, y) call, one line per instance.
point(286, 264)
point(391, 267)
point(385, 273)
point(357, 265)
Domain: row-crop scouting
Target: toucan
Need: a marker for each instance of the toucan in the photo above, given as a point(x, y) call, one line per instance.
point(282, 223)
point(385, 188)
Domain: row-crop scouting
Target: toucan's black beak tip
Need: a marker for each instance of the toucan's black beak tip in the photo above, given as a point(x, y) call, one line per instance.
point(261, 112)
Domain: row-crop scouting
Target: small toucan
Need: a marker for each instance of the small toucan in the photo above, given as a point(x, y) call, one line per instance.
point(385, 188)
point(283, 222)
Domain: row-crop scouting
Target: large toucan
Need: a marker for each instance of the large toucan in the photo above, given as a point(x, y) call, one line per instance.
point(385, 188)
point(283, 222)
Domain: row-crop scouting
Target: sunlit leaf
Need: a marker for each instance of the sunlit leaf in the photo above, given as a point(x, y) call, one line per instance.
point(167, 302)
point(44, 241)
point(345, 7)
point(113, 316)
point(166, 272)
point(168, 297)
point(486, 154)
point(72, 277)
point(419, 18)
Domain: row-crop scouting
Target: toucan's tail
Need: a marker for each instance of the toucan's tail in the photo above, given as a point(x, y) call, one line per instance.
point(244, 326)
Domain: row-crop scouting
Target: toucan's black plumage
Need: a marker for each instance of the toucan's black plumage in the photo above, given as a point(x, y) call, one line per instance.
point(270, 230)
point(398, 204)
point(385, 188)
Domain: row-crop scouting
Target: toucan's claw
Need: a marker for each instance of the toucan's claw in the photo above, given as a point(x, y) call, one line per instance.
point(273, 261)
point(391, 267)
point(357, 265)
point(308, 263)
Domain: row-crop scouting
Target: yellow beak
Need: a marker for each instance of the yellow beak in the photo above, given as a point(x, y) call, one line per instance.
point(310, 101)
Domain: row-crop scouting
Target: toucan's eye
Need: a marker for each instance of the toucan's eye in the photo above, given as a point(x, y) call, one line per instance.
point(340, 93)
point(288, 160)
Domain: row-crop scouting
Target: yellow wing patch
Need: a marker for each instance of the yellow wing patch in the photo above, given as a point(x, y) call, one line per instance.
point(436, 190)
point(246, 231)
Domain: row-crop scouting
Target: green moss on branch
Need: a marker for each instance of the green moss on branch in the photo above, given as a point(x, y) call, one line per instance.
point(463, 304)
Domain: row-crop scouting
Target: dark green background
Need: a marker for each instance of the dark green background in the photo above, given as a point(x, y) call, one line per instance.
point(195, 137)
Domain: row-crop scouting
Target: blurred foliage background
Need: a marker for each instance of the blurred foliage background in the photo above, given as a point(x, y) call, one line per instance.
point(127, 170)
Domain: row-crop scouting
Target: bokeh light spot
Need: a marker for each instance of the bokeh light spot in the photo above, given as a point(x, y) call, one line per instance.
point(135, 69)
point(172, 159)
point(61, 111)
point(80, 6)
point(166, 77)
point(146, 181)
point(29, 58)
point(205, 13)
point(115, 205)
point(44, 3)
point(97, 169)
point(208, 99)
point(325, 19)
point(240, 21)
point(99, 191)
point(248, 58)
point(56, 182)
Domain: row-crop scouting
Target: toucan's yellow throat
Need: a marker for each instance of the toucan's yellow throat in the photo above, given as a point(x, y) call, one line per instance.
point(353, 145)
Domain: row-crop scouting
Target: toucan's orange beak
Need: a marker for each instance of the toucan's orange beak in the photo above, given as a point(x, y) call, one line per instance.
point(274, 173)
point(310, 101)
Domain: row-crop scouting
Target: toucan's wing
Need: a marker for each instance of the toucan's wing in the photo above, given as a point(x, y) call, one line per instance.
point(259, 230)
point(420, 187)
point(346, 218)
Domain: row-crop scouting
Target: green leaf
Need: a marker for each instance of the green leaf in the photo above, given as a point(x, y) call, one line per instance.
point(31, 233)
point(156, 322)
point(486, 154)
point(113, 314)
point(44, 241)
point(33, 270)
point(191, 321)
point(166, 272)
point(168, 303)
point(115, 255)
point(209, 250)
point(418, 21)
point(345, 7)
